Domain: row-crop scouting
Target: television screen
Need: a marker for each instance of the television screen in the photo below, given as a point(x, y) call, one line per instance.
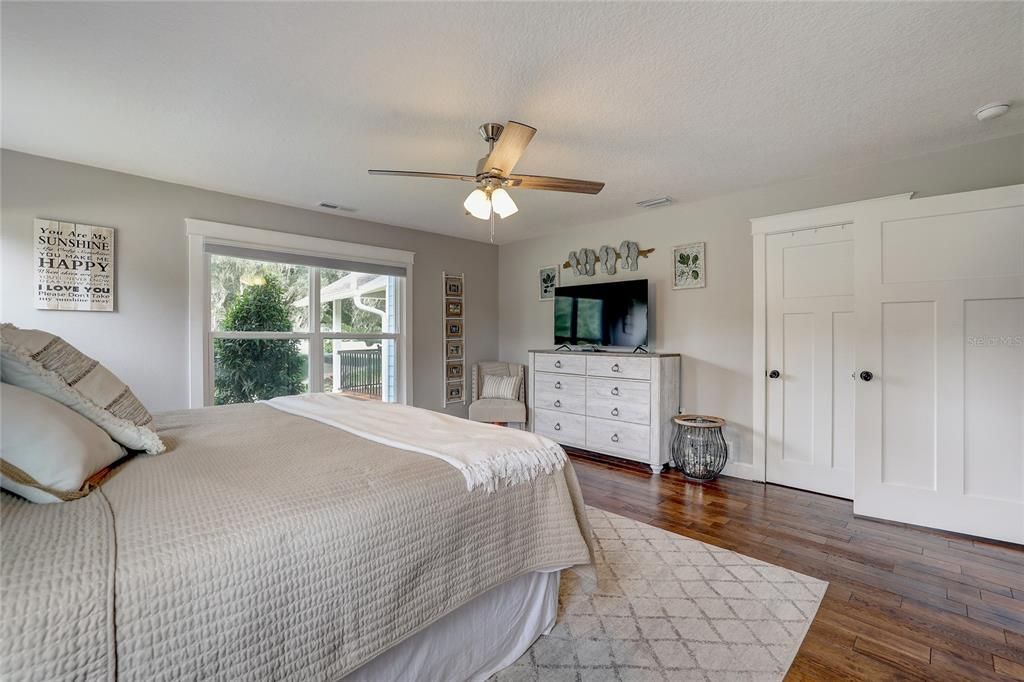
point(606, 314)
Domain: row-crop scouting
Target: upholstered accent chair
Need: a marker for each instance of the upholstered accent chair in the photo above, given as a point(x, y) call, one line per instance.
point(498, 410)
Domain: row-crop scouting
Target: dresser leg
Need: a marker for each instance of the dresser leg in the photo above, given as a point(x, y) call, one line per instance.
point(656, 468)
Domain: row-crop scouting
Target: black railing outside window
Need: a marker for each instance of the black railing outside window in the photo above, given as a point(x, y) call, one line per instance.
point(360, 371)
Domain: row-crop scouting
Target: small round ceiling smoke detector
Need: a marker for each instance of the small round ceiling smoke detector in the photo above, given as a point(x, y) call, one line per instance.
point(993, 110)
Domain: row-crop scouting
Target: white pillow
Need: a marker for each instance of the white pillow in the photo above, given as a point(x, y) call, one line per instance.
point(49, 365)
point(47, 451)
point(506, 388)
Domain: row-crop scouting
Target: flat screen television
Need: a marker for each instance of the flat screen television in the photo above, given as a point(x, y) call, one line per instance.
point(605, 314)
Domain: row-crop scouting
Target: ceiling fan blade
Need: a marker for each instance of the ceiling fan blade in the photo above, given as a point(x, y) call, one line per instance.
point(510, 146)
point(422, 174)
point(556, 184)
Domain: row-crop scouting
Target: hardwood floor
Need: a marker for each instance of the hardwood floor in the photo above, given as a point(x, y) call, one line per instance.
point(902, 602)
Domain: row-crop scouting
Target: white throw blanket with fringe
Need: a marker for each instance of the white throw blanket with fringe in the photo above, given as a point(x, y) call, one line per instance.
point(485, 454)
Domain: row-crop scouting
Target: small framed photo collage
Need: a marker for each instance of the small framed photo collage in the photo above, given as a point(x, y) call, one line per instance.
point(454, 338)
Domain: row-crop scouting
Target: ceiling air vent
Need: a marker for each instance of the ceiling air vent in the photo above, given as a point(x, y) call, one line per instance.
point(327, 204)
point(655, 202)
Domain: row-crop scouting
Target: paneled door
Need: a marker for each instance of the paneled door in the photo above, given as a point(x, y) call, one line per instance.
point(940, 349)
point(811, 337)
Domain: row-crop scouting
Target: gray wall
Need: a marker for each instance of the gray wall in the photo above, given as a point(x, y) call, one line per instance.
point(712, 327)
point(145, 341)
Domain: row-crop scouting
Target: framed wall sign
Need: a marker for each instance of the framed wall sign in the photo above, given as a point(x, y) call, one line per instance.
point(74, 266)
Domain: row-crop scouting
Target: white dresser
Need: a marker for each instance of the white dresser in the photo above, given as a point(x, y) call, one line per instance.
point(618, 404)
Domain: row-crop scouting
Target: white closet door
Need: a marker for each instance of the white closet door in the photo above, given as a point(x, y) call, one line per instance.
point(940, 315)
point(811, 337)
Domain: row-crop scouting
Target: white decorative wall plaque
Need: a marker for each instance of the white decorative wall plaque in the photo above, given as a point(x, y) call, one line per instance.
point(74, 266)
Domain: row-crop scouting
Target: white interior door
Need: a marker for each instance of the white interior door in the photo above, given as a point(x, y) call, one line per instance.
point(940, 316)
point(811, 337)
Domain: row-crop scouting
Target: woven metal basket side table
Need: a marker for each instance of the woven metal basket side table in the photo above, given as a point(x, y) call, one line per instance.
point(698, 446)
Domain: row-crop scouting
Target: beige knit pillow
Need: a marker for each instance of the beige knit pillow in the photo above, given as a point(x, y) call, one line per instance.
point(46, 364)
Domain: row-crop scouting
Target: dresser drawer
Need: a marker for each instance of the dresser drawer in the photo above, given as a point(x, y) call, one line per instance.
point(628, 440)
point(628, 401)
point(627, 368)
point(560, 362)
point(560, 392)
point(561, 427)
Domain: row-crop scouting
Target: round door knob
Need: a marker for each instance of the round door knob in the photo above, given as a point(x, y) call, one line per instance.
point(866, 376)
point(615, 367)
point(774, 374)
point(558, 384)
point(558, 363)
point(615, 412)
point(615, 391)
point(615, 438)
point(558, 427)
point(558, 403)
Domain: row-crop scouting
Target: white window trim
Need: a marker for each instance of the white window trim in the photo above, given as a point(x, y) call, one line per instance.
point(202, 232)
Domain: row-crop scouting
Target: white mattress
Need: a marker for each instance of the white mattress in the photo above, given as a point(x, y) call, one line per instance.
point(476, 640)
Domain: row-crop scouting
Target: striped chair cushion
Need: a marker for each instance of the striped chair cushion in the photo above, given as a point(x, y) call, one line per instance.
point(49, 365)
point(506, 388)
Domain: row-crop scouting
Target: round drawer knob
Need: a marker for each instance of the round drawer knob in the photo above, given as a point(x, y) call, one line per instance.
point(615, 412)
point(558, 384)
point(615, 367)
point(558, 427)
point(558, 364)
point(558, 403)
point(615, 391)
point(615, 438)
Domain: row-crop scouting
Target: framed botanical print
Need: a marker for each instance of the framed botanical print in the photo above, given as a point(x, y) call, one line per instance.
point(689, 267)
point(547, 280)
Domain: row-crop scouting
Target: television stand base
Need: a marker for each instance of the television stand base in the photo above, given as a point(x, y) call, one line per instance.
point(640, 349)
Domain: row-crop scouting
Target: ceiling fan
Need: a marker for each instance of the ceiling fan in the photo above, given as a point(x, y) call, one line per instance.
point(494, 174)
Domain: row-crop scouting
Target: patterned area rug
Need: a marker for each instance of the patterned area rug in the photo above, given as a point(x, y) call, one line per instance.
point(670, 608)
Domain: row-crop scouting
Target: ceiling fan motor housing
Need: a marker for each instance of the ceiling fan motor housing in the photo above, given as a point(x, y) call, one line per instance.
point(491, 131)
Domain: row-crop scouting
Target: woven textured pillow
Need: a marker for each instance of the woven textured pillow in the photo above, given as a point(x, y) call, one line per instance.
point(48, 452)
point(46, 364)
point(506, 388)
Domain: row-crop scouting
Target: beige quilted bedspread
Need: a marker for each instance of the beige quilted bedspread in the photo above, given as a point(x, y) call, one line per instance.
point(263, 546)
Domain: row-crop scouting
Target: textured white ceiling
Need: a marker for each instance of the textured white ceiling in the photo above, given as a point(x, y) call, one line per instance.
point(294, 102)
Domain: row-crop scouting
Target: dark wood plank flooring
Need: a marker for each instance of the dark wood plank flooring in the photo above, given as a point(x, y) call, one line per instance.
point(902, 603)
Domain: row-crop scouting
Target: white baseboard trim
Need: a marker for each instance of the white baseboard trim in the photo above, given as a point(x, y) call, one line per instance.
point(742, 470)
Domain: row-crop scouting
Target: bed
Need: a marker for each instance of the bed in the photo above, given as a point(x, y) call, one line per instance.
point(265, 545)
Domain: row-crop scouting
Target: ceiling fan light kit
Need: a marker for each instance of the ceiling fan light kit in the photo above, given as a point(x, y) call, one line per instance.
point(494, 174)
point(478, 204)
